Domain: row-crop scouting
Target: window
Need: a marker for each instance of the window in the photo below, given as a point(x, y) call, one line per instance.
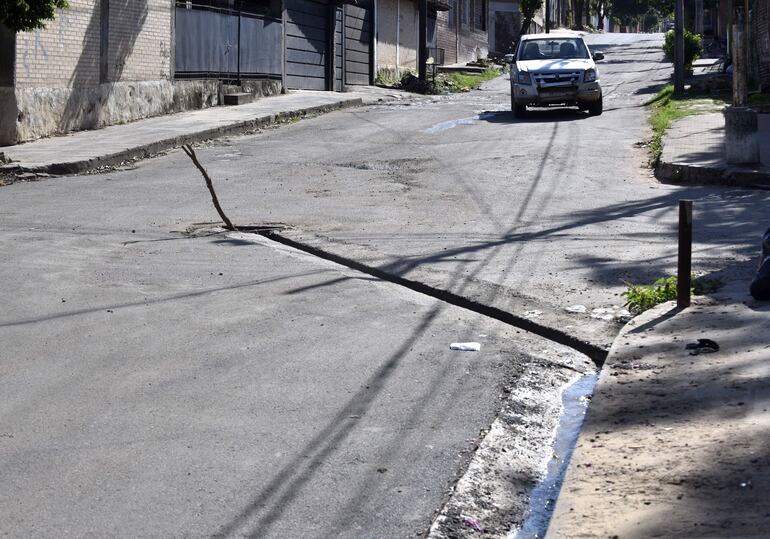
point(552, 49)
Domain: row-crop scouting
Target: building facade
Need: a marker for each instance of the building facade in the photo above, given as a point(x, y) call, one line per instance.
point(96, 64)
point(397, 37)
point(105, 62)
point(461, 31)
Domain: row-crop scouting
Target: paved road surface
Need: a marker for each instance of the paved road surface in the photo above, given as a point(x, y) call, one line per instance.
point(157, 384)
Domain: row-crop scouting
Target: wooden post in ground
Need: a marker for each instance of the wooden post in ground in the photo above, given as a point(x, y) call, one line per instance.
point(679, 48)
point(684, 266)
point(740, 66)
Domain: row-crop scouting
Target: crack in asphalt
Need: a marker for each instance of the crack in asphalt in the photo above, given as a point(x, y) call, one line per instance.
point(597, 354)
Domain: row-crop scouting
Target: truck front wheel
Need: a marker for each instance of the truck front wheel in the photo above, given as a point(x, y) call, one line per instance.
point(595, 108)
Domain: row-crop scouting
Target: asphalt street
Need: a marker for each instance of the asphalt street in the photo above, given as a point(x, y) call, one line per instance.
point(163, 378)
point(530, 216)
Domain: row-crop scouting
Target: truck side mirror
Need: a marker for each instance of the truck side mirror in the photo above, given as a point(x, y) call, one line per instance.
point(598, 56)
point(509, 59)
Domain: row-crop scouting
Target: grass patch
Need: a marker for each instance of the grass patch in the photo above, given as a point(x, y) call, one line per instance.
point(387, 77)
point(641, 297)
point(666, 108)
point(465, 82)
point(760, 99)
point(446, 83)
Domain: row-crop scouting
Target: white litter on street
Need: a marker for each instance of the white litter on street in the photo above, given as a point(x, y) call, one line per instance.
point(465, 346)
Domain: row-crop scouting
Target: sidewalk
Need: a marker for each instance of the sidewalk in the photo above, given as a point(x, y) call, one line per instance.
point(86, 150)
point(676, 442)
point(693, 152)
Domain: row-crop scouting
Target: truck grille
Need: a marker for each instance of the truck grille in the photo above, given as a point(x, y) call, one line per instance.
point(558, 78)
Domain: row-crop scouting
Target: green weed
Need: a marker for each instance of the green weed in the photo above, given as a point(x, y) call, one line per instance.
point(640, 297)
point(387, 77)
point(666, 108)
point(760, 99)
point(464, 82)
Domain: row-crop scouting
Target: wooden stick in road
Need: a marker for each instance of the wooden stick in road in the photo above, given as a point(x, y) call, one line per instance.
point(191, 154)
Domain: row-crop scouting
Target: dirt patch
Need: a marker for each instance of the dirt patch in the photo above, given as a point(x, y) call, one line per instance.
point(676, 440)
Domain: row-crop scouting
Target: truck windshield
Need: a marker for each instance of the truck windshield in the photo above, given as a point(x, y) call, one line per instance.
point(553, 49)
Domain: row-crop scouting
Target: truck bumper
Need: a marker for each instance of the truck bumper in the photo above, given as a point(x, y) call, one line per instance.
point(568, 95)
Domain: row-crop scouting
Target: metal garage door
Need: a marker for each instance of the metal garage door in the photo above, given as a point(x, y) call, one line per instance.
point(358, 45)
point(307, 44)
point(338, 77)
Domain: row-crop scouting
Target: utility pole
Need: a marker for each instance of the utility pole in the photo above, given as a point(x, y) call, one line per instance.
point(699, 17)
point(422, 54)
point(679, 48)
point(740, 63)
point(547, 16)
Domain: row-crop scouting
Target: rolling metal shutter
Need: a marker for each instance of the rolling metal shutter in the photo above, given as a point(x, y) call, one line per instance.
point(307, 44)
point(358, 45)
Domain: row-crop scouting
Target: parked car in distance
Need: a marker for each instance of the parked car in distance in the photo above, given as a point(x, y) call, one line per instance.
point(554, 69)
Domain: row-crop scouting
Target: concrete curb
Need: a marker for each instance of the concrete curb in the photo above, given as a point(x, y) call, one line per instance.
point(686, 174)
point(562, 517)
point(148, 150)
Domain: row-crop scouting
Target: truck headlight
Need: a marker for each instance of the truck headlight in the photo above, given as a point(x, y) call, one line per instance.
point(589, 75)
point(523, 77)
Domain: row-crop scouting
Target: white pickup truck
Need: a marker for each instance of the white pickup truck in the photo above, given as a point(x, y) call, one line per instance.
point(554, 69)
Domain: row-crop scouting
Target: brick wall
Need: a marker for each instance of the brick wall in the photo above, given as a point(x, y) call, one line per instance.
point(139, 40)
point(69, 52)
point(65, 54)
point(98, 63)
point(446, 36)
point(462, 31)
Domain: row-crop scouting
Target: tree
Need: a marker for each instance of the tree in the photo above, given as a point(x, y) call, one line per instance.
point(24, 15)
point(528, 9)
point(693, 45)
point(579, 5)
point(602, 10)
point(630, 12)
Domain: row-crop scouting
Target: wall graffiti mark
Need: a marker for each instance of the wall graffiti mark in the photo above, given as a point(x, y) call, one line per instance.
point(25, 56)
point(63, 22)
point(39, 46)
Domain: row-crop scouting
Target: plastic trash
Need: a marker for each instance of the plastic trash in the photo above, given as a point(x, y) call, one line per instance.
point(603, 314)
point(577, 309)
point(760, 286)
point(473, 523)
point(465, 346)
point(703, 346)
